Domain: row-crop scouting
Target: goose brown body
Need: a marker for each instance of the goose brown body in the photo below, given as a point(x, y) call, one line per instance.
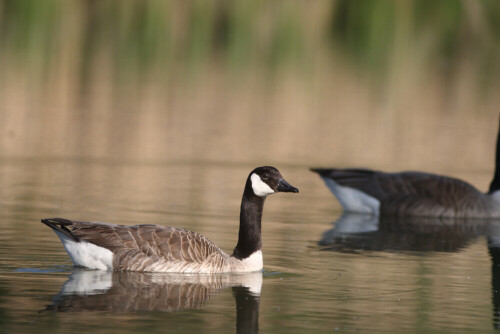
point(150, 248)
point(156, 248)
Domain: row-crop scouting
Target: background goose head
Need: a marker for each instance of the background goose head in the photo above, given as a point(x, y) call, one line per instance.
point(267, 180)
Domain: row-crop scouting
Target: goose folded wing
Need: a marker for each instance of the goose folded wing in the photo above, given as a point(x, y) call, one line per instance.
point(147, 243)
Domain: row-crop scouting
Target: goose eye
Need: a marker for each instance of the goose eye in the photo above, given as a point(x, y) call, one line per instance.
point(265, 176)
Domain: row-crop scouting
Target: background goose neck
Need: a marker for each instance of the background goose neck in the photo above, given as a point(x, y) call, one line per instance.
point(495, 184)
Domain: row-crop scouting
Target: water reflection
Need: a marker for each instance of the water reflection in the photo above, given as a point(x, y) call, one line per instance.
point(87, 290)
point(355, 232)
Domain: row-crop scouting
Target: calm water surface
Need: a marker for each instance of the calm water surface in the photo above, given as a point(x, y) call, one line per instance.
point(322, 272)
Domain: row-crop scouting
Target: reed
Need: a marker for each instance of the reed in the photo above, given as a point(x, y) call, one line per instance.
point(142, 35)
point(376, 83)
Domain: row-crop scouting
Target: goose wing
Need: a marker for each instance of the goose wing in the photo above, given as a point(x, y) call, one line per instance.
point(411, 192)
point(141, 246)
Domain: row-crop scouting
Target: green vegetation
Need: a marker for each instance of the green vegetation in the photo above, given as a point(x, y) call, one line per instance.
point(142, 36)
point(449, 31)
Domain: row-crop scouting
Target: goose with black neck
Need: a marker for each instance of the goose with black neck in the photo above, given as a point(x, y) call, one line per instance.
point(412, 193)
point(155, 248)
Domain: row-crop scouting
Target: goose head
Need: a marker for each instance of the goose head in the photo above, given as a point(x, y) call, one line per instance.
point(267, 180)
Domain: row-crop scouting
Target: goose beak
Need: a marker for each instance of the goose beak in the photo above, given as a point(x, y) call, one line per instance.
point(286, 187)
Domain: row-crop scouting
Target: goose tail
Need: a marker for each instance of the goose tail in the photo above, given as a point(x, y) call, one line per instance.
point(321, 171)
point(61, 225)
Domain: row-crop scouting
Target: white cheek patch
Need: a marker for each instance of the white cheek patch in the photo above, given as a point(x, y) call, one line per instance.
point(260, 188)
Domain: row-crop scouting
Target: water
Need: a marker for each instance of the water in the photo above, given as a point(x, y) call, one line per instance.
point(323, 272)
point(156, 113)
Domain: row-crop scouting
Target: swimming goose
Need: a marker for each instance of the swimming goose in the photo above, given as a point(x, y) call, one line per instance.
point(412, 193)
point(157, 248)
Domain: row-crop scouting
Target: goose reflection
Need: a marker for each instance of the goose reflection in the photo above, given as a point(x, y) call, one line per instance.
point(88, 290)
point(359, 232)
point(356, 232)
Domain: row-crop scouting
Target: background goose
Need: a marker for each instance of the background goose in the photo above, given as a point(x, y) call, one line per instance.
point(412, 193)
point(169, 249)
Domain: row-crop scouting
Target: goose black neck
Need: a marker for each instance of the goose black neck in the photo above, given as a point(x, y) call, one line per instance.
point(495, 184)
point(249, 238)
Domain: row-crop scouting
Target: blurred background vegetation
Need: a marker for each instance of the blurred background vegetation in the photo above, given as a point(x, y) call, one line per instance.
point(287, 81)
point(148, 36)
point(389, 84)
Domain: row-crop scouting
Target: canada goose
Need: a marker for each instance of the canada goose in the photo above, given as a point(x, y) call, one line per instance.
point(168, 249)
point(412, 193)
